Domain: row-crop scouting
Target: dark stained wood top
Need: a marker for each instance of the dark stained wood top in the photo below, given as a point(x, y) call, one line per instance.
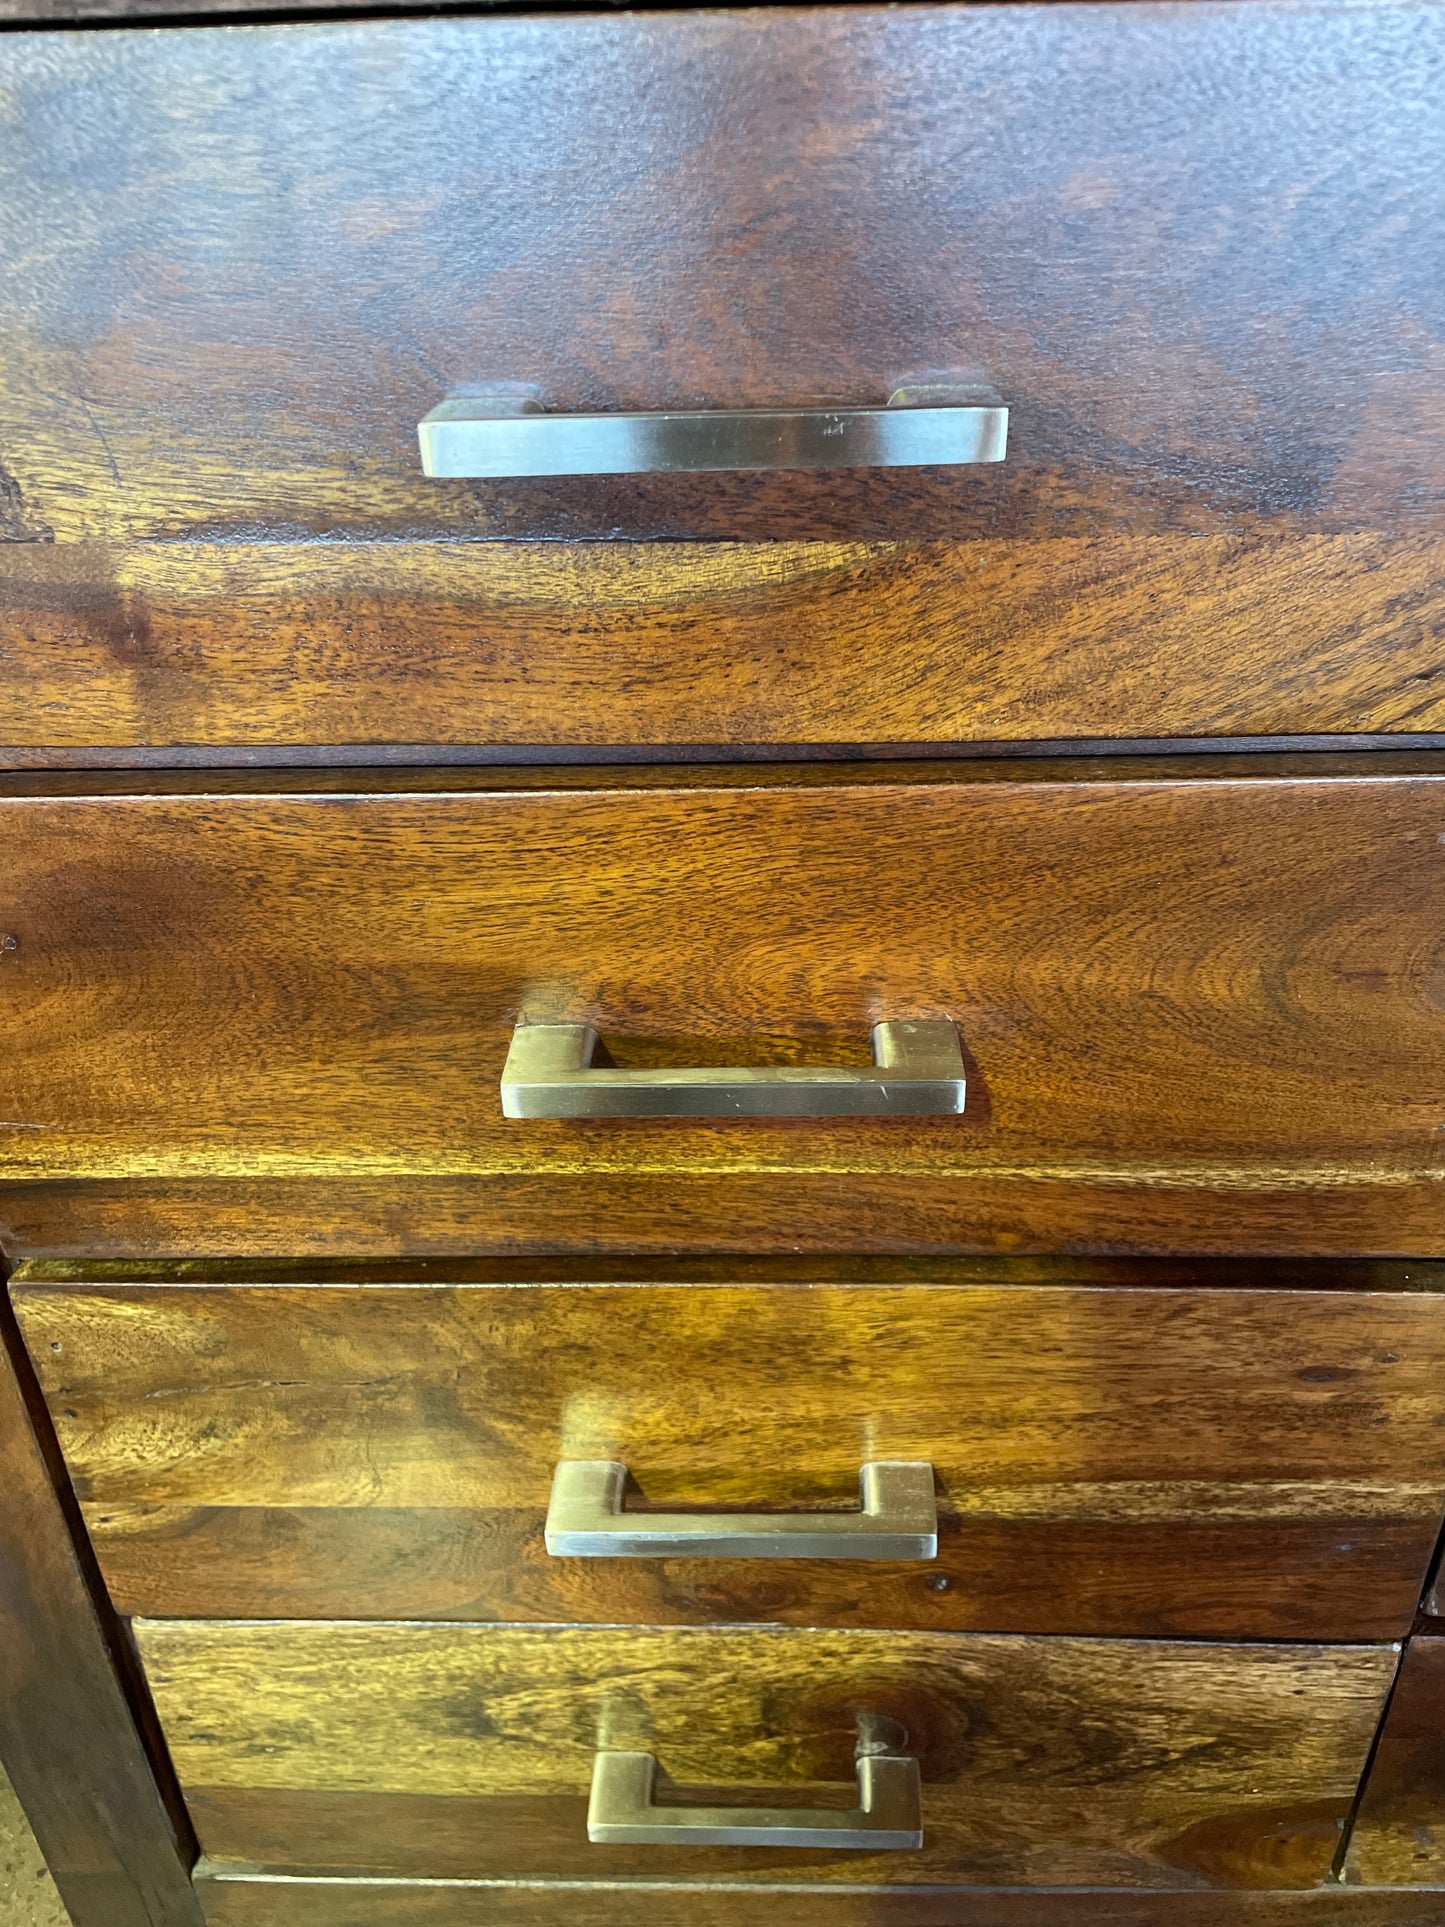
point(1196, 247)
point(1146, 222)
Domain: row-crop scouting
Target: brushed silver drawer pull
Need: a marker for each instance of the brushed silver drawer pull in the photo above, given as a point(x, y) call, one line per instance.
point(502, 434)
point(888, 1816)
point(898, 1520)
point(918, 1072)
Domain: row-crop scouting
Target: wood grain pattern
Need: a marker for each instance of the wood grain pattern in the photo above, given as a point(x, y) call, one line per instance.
point(468, 1750)
point(70, 1736)
point(1222, 508)
point(1342, 1577)
point(1236, 1463)
point(794, 642)
point(232, 1900)
point(1188, 983)
point(1399, 1834)
point(259, 301)
point(651, 1214)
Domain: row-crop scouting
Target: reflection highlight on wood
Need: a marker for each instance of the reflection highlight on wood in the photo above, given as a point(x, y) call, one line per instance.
point(1197, 1462)
point(468, 1750)
point(166, 378)
point(1221, 511)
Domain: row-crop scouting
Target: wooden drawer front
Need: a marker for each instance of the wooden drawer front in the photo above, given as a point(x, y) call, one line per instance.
point(1220, 513)
point(1225, 1463)
point(239, 1900)
point(1202, 1009)
point(469, 1750)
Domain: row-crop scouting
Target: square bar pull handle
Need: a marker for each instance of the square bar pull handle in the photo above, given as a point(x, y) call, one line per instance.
point(888, 1816)
point(898, 1520)
point(500, 435)
point(917, 1071)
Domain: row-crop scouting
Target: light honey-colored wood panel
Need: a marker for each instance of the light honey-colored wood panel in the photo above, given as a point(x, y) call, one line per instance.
point(454, 1749)
point(1266, 1463)
point(1199, 982)
point(790, 642)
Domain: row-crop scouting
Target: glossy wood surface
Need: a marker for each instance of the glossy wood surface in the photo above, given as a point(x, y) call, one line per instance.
point(1197, 248)
point(1170, 979)
point(236, 1901)
point(1227, 1463)
point(589, 643)
point(468, 1750)
point(453, 1217)
point(1399, 1835)
point(71, 1734)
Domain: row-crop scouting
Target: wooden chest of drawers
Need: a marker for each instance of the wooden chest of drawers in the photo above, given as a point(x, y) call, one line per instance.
point(722, 1147)
point(1111, 1448)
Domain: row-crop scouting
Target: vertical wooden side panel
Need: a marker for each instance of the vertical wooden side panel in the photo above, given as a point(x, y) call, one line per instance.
point(1399, 1833)
point(68, 1735)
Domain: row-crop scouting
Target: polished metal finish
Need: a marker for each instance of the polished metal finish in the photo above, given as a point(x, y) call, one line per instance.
point(898, 1520)
point(888, 1816)
point(504, 434)
point(918, 1071)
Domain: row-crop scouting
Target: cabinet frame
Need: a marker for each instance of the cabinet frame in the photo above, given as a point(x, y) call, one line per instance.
point(76, 1734)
